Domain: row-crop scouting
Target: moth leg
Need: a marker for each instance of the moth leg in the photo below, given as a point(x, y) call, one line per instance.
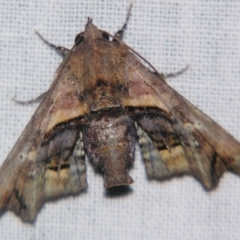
point(173, 75)
point(119, 34)
point(35, 100)
point(62, 51)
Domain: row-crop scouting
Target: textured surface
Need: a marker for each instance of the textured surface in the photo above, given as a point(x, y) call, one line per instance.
point(205, 35)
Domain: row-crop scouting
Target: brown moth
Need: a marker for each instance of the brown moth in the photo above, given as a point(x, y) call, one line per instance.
point(102, 102)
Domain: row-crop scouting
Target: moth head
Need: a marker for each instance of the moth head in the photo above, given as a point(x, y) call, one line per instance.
point(91, 33)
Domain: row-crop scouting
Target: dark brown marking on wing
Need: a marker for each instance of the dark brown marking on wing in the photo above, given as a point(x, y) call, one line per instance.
point(56, 168)
point(22, 204)
point(75, 123)
point(139, 113)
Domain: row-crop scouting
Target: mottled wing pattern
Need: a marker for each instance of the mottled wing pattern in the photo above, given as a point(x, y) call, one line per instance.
point(47, 161)
point(175, 137)
point(169, 152)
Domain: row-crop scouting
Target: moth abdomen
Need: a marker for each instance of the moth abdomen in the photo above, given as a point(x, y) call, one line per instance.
point(109, 140)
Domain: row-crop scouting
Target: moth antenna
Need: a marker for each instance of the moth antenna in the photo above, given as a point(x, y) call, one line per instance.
point(62, 51)
point(175, 74)
point(119, 34)
point(29, 102)
point(128, 16)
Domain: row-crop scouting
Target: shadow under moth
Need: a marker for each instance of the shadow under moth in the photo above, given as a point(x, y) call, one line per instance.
point(103, 102)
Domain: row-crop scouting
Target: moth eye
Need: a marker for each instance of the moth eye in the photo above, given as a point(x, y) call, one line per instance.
point(78, 39)
point(105, 36)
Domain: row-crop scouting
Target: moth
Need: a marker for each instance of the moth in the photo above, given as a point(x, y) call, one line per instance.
point(102, 102)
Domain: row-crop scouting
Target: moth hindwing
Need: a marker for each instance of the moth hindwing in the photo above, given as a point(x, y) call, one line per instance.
point(102, 102)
